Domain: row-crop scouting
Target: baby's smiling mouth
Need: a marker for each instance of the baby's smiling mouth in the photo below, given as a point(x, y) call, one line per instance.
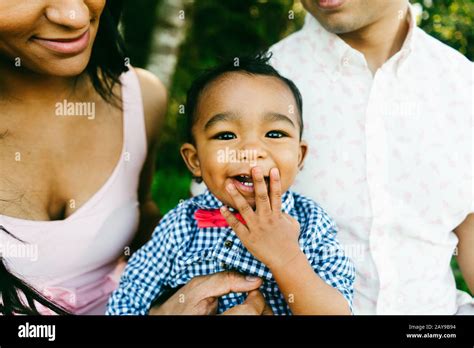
point(244, 183)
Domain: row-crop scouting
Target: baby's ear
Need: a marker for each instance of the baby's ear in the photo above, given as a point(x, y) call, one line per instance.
point(302, 153)
point(190, 157)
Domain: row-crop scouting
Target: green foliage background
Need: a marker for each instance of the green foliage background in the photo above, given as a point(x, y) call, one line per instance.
point(225, 29)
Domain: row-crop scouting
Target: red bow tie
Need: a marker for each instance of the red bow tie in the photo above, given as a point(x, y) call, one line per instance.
point(213, 218)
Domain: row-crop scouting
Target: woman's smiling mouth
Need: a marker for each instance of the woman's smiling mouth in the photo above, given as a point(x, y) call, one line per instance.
point(65, 46)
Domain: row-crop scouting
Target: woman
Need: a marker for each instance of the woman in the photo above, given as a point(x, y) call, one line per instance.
point(78, 129)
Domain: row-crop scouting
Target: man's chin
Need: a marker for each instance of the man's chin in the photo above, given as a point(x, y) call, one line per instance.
point(336, 27)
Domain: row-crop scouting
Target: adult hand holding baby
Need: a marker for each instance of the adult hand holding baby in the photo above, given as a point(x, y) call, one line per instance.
point(269, 234)
point(199, 296)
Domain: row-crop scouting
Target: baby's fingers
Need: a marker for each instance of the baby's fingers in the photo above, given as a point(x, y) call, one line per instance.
point(238, 227)
point(240, 203)
point(275, 190)
point(262, 201)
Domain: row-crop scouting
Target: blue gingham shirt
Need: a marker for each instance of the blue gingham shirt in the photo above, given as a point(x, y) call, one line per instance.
point(179, 251)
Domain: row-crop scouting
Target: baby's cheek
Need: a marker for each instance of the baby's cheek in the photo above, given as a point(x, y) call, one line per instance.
point(212, 163)
point(287, 163)
point(288, 177)
point(287, 181)
point(213, 172)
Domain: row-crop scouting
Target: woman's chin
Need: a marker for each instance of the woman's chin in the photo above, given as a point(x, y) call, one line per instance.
point(68, 73)
point(65, 67)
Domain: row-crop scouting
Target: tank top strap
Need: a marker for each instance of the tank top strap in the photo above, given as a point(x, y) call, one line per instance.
point(135, 137)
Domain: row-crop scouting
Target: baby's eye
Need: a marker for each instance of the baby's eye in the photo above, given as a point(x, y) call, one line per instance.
point(224, 136)
point(276, 134)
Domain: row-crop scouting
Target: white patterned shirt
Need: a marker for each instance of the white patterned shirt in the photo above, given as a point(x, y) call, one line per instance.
point(390, 159)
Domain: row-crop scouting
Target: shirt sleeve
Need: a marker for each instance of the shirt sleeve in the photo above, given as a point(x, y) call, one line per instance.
point(472, 136)
point(144, 276)
point(472, 153)
point(327, 256)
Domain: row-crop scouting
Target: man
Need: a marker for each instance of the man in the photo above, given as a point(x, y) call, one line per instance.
point(389, 110)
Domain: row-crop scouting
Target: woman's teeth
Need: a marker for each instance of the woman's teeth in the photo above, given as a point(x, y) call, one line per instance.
point(248, 184)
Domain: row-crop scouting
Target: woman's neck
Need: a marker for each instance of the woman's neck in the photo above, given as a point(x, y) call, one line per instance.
point(22, 85)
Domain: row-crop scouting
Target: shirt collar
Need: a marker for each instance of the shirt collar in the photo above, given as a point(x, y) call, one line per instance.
point(410, 39)
point(332, 52)
point(409, 43)
point(208, 201)
point(237, 257)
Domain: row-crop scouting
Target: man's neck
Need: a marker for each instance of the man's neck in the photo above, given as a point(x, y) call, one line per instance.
point(380, 40)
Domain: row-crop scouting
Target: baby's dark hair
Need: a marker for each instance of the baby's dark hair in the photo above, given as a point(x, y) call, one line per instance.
point(253, 65)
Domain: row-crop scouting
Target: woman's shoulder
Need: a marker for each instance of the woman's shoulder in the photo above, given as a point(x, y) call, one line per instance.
point(154, 98)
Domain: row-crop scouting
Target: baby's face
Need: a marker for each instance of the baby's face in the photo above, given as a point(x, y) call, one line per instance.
point(245, 121)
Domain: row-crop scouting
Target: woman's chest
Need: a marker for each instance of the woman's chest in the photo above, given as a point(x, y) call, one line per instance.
point(50, 164)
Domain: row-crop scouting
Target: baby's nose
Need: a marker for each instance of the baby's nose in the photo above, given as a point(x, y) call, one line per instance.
point(253, 153)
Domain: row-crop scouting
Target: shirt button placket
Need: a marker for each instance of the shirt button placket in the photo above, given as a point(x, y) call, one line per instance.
point(377, 176)
point(226, 253)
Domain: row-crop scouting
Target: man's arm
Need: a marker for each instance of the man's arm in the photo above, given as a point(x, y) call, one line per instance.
point(465, 233)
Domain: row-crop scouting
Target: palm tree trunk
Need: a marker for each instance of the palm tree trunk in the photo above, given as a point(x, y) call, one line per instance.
point(173, 18)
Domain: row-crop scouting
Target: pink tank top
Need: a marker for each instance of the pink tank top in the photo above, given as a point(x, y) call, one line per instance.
point(75, 261)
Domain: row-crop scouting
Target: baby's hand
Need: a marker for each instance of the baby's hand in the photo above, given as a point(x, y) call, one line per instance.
point(270, 235)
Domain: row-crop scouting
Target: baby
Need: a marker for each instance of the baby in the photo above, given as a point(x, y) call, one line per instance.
point(245, 142)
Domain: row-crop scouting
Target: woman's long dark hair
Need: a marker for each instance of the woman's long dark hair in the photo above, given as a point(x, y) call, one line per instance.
point(106, 64)
point(12, 287)
point(108, 59)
